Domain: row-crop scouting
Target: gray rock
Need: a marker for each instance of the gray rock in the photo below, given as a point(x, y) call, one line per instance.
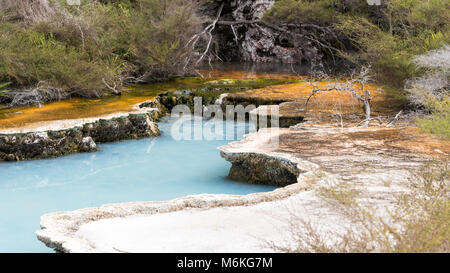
point(262, 169)
point(88, 144)
point(47, 144)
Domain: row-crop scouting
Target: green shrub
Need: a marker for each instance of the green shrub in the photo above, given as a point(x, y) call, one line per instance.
point(29, 57)
point(439, 121)
point(77, 49)
point(2, 88)
point(387, 36)
point(390, 56)
point(432, 14)
point(159, 48)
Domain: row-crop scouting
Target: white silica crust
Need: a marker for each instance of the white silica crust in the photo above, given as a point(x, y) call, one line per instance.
point(222, 229)
point(230, 223)
point(60, 230)
point(72, 231)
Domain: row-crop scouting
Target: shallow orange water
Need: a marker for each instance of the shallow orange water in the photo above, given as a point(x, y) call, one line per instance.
point(77, 108)
point(68, 109)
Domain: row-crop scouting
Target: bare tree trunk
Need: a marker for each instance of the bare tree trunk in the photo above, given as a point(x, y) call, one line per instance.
point(367, 112)
point(208, 32)
point(362, 94)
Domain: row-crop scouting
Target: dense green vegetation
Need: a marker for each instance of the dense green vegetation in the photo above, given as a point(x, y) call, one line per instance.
point(53, 50)
point(93, 48)
point(388, 38)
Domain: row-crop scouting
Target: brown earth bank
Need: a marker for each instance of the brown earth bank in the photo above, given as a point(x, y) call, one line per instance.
point(348, 152)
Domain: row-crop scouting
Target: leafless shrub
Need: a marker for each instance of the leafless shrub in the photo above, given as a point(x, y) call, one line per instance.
point(37, 95)
point(434, 84)
point(356, 86)
point(206, 35)
point(436, 59)
point(28, 10)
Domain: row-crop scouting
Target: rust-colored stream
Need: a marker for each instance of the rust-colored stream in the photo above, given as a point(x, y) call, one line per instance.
point(79, 108)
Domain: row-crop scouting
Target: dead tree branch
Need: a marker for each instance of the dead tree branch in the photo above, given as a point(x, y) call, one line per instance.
point(207, 31)
point(36, 95)
point(361, 93)
point(112, 88)
point(392, 122)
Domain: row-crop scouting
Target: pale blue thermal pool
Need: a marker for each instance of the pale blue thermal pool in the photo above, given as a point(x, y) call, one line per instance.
point(150, 169)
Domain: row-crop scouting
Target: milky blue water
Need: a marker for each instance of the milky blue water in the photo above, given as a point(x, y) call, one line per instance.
point(151, 169)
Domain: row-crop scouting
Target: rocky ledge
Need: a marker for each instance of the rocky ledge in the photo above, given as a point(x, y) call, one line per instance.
point(254, 160)
point(377, 162)
point(81, 138)
point(351, 153)
point(60, 230)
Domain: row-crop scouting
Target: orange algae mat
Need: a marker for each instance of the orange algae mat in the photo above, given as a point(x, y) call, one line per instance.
point(79, 108)
point(327, 102)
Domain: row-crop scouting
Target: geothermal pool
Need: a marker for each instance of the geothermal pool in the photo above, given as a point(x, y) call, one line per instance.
point(152, 169)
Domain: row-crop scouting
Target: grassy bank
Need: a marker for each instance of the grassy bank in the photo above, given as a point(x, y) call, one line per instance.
point(57, 50)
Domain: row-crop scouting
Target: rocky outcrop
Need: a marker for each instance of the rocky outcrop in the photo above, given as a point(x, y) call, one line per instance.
point(44, 144)
point(132, 126)
point(54, 143)
point(262, 169)
point(254, 161)
point(241, 36)
point(169, 100)
point(276, 114)
point(259, 43)
point(236, 98)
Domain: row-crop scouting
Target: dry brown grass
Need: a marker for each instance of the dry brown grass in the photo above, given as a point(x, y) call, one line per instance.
point(419, 220)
